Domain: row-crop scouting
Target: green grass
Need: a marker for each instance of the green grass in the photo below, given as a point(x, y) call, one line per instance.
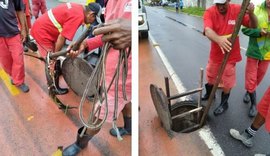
point(194, 11)
point(189, 10)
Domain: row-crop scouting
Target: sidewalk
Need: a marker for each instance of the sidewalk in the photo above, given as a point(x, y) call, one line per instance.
point(33, 125)
point(153, 139)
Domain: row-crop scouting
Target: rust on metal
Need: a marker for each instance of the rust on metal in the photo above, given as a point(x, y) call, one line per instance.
point(76, 73)
point(161, 104)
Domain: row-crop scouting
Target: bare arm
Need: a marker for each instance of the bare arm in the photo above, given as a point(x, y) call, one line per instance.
point(59, 43)
point(253, 23)
point(222, 41)
point(21, 16)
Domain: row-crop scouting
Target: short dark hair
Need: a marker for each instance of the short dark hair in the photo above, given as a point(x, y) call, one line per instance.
point(96, 8)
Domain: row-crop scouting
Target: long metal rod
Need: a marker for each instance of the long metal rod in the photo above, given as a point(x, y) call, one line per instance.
point(168, 94)
point(200, 94)
point(187, 113)
point(186, 93)
point(244, 6)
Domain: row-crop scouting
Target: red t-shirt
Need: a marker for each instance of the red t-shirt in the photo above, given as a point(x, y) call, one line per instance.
point(223, 25)
point(69, 15)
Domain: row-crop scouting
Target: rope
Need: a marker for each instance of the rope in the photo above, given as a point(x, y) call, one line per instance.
point(101, 92)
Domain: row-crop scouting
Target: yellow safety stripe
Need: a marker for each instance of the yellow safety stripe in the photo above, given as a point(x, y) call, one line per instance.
point(54, 21)
point(6, 79)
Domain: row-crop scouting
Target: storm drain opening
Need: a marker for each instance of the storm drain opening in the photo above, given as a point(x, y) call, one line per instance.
point(185, 123)
point(182, 116)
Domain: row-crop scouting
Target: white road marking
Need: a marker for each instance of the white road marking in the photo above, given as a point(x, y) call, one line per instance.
point(205, 132)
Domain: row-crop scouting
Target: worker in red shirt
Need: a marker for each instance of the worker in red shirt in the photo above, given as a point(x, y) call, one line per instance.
point(116, 31)
point(60, 23)
point(219, 22)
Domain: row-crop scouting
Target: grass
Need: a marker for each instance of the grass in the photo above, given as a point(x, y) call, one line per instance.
point(194, 11)
point(189, 10)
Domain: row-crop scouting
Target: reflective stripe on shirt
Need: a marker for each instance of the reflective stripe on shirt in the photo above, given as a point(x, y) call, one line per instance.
point(54, 21)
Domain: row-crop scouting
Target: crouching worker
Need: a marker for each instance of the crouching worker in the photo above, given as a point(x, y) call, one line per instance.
point(58, 24)
point(116, 31)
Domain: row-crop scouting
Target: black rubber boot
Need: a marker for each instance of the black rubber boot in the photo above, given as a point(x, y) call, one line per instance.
point(208, 88)
point(80, 143)
point(246, 98)
point(58, 90)
point(252, 109)
point(223, 105)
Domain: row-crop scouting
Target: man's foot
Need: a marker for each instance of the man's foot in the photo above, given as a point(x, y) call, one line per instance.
point(24, 88)
point(122, 132)
point(246, 98)
point(25, 49)
point(244, 137)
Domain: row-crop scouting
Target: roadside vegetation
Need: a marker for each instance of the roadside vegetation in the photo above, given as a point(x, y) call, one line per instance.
point(196, 11)
point(189, 10)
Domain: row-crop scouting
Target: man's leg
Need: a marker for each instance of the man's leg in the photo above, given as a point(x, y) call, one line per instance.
point(81, 142)
point(251, 81)
point(261, 117)
point(5, 56)
point(229, 82)
point(126, 130)
point(246, 137)
point(211, 73)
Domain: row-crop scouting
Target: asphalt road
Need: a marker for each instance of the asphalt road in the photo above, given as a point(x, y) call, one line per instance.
point(179, 37)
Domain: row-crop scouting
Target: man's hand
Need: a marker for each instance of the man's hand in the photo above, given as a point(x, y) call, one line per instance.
point(75, 53)
point(23, 35)
point(250, 8)
point(224, 44)
point(117, 32)
point(264, 32)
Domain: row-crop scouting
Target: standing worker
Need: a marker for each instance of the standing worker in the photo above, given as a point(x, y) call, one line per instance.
point(219, 22)
point(11, 39)
point(60, 23)
point(116, 31)
point(258, 54)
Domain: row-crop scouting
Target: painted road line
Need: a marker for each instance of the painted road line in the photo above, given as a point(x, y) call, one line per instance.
point(205, 132)
point(179, 86)
point(12, 89)
point(209, 139)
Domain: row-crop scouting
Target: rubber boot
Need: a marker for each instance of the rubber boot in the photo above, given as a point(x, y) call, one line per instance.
point(223, 105)
point(246, 98)
point(252, 109)
point(208, 88)
point(80, 143)
point(58, 90)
